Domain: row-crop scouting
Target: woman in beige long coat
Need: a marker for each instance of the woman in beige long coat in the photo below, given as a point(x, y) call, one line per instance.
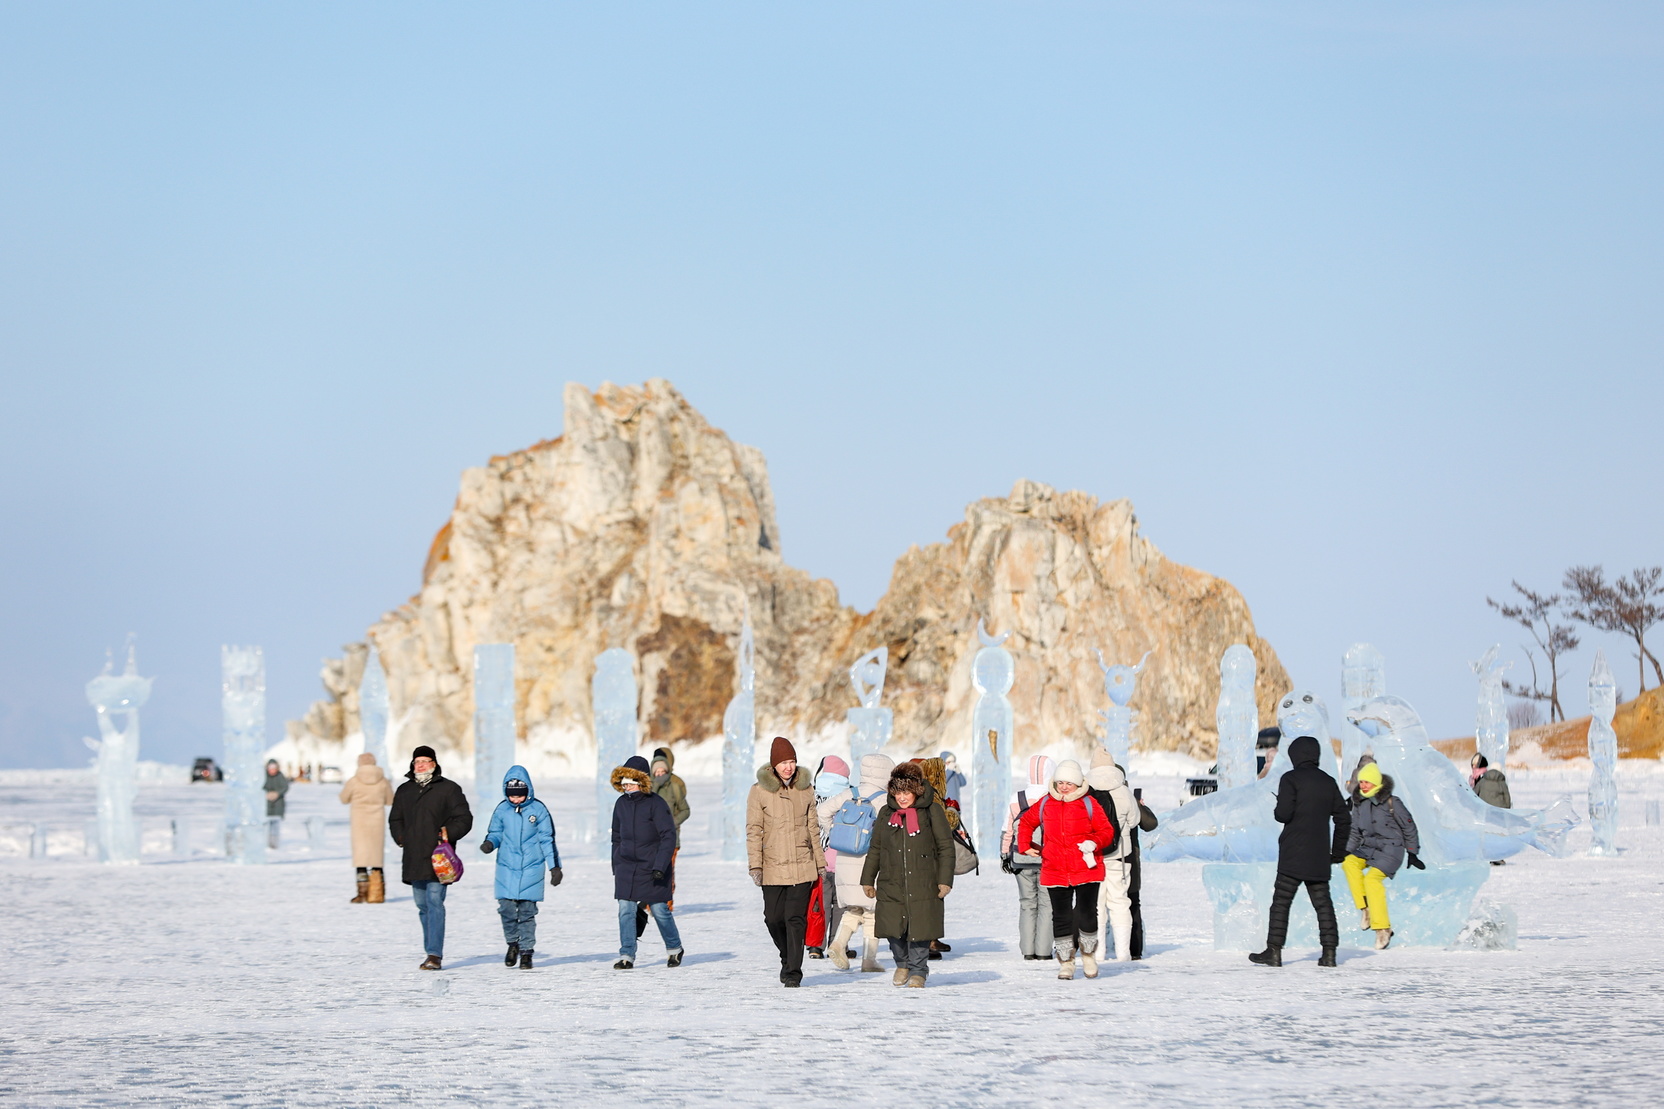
point(369, 794)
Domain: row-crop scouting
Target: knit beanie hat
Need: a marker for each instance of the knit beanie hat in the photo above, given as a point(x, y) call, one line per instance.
point(1370, 773)
point(1101, 757)
point(424, 752)
point(1069, 771)
point(636, 762)
point(835, 765)
point(781, 750)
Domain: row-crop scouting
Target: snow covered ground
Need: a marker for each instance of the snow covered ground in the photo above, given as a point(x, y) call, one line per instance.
point(187, 981)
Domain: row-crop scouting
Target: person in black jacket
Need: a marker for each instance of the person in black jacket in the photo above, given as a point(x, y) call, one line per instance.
point(643, 851)
point(427, 806)
point(1307, 800)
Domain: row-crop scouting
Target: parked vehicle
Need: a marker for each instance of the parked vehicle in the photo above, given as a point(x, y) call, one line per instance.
point(329, 774)
point(206, 770)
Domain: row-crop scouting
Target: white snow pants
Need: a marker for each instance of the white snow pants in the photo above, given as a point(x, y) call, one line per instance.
point(1115, 907)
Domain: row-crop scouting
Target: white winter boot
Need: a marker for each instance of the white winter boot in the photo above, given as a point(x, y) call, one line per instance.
point(1088, 955)
point(1065, 952)
point(840, 943)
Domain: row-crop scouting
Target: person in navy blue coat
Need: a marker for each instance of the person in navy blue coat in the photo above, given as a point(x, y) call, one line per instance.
point(643, 849)
point(523, 835)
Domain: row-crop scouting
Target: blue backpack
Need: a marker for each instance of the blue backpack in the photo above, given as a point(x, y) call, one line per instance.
point(851, 832)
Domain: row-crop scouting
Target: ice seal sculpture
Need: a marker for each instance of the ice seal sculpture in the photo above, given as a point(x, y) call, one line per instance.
point(243, 711)
point(739, 747)
point(992, 673)
point(1238, 717)
point(613, 699)
point(1120, 683)
point(1603, 759)
point(118, 756)
point(870, 723)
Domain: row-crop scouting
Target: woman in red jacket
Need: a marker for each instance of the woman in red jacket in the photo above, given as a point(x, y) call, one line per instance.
point(1074, 831)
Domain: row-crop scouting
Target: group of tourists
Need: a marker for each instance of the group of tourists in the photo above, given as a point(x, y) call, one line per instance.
point(875, 856)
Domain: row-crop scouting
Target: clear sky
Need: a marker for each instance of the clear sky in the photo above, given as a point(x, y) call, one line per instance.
point(1358, 302)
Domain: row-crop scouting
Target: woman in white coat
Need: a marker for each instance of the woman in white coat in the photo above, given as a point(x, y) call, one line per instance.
point(860, 912)
point(1108, 784)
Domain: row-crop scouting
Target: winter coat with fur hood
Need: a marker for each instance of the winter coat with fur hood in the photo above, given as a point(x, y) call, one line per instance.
point(1307, 800)
point(1064, 826)
point(643, 841)
point(523, 837)
point(906, 869)
point(874, 779)
point(369, 793)
point(420, 812)
point(1383, 830)
point(782, 833)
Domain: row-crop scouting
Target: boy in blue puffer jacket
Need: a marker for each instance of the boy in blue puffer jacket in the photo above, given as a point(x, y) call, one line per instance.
point(523, 834)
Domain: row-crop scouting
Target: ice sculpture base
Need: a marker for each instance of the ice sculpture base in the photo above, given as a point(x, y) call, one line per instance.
point(1429, 908)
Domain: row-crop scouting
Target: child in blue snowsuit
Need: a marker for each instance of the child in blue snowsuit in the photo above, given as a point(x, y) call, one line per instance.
point(523, 834)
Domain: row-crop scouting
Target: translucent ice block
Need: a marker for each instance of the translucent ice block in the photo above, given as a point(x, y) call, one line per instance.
point(243, 709)
point(1603, 759)
point(1237, 717)
point(493, 723)
point(373, 709)
point(118, 757)
point(739, 747)
point(613, 699)
point(992, 673)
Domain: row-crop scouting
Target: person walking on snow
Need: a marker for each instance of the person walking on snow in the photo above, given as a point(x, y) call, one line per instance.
point(831, 790)
point(1073, 830)
point(277, 800)
point(1307, 800)
point(369, 793)
point(1383, 836)
point(522, 833)
point(956, 779)
point(909, 872)
point(1107, 785)
point(643, 851)
point(859, 911)
point(1491, 786)
point(427, 807)
point(782, 844)
point(669, 785)
point(1034, 908)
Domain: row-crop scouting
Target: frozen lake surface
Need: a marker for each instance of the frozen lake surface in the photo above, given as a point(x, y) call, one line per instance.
point(188, 981)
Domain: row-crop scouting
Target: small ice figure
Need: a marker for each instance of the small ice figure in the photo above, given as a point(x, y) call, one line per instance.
point(613, 698)
point(493, 722)
point(1491, 727)
point(870, 723)
point(1603, 759)
point(992, 673)
point(118, 756)
point(373, 709)
point(243, 713)
point(739, 747)
point(1120, 683)
point(1363, 674)
point(1238, 717)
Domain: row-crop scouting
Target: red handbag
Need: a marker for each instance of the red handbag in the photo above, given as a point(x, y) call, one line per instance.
point(447, 867)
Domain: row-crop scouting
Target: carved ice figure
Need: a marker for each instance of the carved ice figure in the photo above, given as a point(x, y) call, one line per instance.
point(1363, 674)
point(1603, 759)
point(493, 722)
point(739, 748)
point(870, 724)
point(118, 756)
point(1237, 717)
point(613, 697)
point(373, 710)
point(243, 711)
point(992, 673)
point(1120, 683)
point(1491, 728)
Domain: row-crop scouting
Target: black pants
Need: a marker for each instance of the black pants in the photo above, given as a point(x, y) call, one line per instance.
point(1074, 910)
point(786, 912)
point(1282, 898)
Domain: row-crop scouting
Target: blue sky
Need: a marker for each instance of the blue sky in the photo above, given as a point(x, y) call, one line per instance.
point(1358, 303)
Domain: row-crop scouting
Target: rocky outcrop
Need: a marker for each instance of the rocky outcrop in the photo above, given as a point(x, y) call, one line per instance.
point(644, 527)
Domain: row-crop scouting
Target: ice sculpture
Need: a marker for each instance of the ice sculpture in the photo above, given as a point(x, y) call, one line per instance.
point(1363, 674)
point(992, 673)
point(739, 748)
point(1238, 717)
point(1491, 728)
point(870, 724)
point(1603, 759)
point(493, 722)
point(243, 713)
point(118, 756)
point(613, 698)
point(1120, 682)
point(373, 709)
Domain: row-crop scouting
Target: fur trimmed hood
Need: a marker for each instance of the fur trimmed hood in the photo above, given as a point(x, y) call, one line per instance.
point(631, 774)
point(1379, 796)
point(769, 780)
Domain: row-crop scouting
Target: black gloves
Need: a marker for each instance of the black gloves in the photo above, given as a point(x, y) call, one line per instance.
point(1417, 863)
point(554, 876)
point(658, 876)
point(487, 846)
point(1338, 857)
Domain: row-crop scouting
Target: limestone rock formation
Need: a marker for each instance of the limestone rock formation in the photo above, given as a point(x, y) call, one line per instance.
point(644, 527)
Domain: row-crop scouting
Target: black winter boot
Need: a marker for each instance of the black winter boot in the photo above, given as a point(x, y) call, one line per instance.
point(526, 959)
point(1270, 957)
point(513, 954)
point(1328, 958)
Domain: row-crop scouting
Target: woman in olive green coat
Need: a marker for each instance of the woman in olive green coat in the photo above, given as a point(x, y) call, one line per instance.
point(909, 870)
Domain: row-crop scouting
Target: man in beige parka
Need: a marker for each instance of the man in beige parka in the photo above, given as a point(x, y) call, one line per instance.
point(782, 842)
point(369, 793)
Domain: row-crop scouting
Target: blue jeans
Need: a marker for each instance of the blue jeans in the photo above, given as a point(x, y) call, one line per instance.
point(519, 922)
point(627, 928)
point(430, 906)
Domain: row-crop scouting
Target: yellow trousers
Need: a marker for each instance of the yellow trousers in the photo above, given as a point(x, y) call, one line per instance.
point(1369, 889)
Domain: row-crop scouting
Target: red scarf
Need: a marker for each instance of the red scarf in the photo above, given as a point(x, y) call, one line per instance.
point(906, 819)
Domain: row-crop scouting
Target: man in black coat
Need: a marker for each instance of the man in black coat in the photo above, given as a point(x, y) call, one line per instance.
point(643, 850)
point(427, 805)
point(1307, 801)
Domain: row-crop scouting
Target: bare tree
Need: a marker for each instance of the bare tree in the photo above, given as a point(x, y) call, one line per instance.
point(1629, 606)
point(1524, 714)
point(1535, 613)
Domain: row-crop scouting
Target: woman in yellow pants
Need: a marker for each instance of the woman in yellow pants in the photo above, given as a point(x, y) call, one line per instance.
point(1383, 836)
